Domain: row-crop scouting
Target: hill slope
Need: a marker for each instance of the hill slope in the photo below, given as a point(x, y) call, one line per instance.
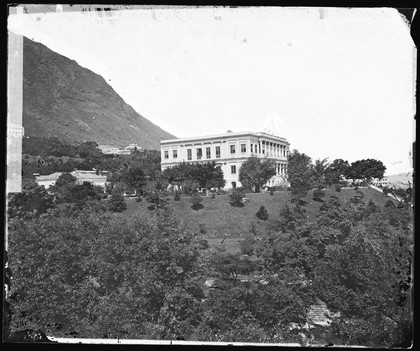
point(220, 218)
point(63, 99)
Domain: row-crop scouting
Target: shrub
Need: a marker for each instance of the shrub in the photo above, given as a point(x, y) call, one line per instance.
point(356, 187)
point(235, 198)
point(117, 203)
point(196, 199)
point(156, 199)
point(202, 228)
point(139, 199)
point(213, 196)
point(318, 194)
point(385, 190)
point(247, 245)
point(177, 196)
point(337, 188)
point(389, 204)
point(203, 244)
point(262, 213)
point(271, 192)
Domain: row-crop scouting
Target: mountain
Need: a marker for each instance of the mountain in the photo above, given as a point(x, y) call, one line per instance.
point(63, 99)
point(400, 180)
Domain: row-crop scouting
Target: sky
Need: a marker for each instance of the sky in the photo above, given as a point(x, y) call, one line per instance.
point(335, 82)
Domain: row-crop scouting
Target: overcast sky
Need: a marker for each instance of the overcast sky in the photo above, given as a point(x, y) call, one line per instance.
point(336, 82)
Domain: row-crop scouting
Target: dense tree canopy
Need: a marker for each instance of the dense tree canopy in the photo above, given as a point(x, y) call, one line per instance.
point(66, 190)
point(99, 274)
point(255, 172)
point(33, 201)
point(336, 169)
point(366, 169)
point(148, 276)
point(300, 174)
point(203, 175)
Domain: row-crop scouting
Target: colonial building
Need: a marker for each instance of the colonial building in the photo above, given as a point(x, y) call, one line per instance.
point(120, 151)
point(229, 151)
point(81, 177)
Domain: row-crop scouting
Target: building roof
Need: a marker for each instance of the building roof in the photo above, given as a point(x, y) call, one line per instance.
point(53, 176)
point(88, 176)
point(226, 135)
point(77, 174)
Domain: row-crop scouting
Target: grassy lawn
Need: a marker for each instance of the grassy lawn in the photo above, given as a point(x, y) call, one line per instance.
point(223, 221)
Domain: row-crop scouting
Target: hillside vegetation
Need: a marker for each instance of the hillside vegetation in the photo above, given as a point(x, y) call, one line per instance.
point(223, 221)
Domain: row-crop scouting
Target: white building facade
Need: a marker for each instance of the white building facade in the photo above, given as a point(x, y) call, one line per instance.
point(81, 177)
point(229, 151)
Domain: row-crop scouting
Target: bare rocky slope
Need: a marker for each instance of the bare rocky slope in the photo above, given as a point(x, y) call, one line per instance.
point(63, 99)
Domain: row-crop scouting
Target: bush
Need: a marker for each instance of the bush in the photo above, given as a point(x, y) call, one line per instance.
point(318, 194)
point(337, 188)
point(213, 196)
point(262, 213)
point(203, 244)
point(196, 199)
point(139, 199)
point(385, 190)
point(177, 196)
point(271, 192)
point(235, 198)
point(117, 203)
point(247, 245)
point(389, 204)
point(202, 228)
point(356, 187)
point(156, 199)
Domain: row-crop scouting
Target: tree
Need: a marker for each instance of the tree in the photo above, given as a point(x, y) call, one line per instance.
point(88, 149)
point(157, 199)
point(290, 219)
point(33, 201)
point(236, 197)
point(67, 191)
point(335, 171)
point(300, 174)
point(103, 275)
point(206, 175)
point(134, 179)
point(362, 280)
point(366, 169)
point(117, 203)
point(320, 171)
point(255, 172)
point(65, 180)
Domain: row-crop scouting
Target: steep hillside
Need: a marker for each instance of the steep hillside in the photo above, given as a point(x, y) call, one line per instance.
point(63, 99)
